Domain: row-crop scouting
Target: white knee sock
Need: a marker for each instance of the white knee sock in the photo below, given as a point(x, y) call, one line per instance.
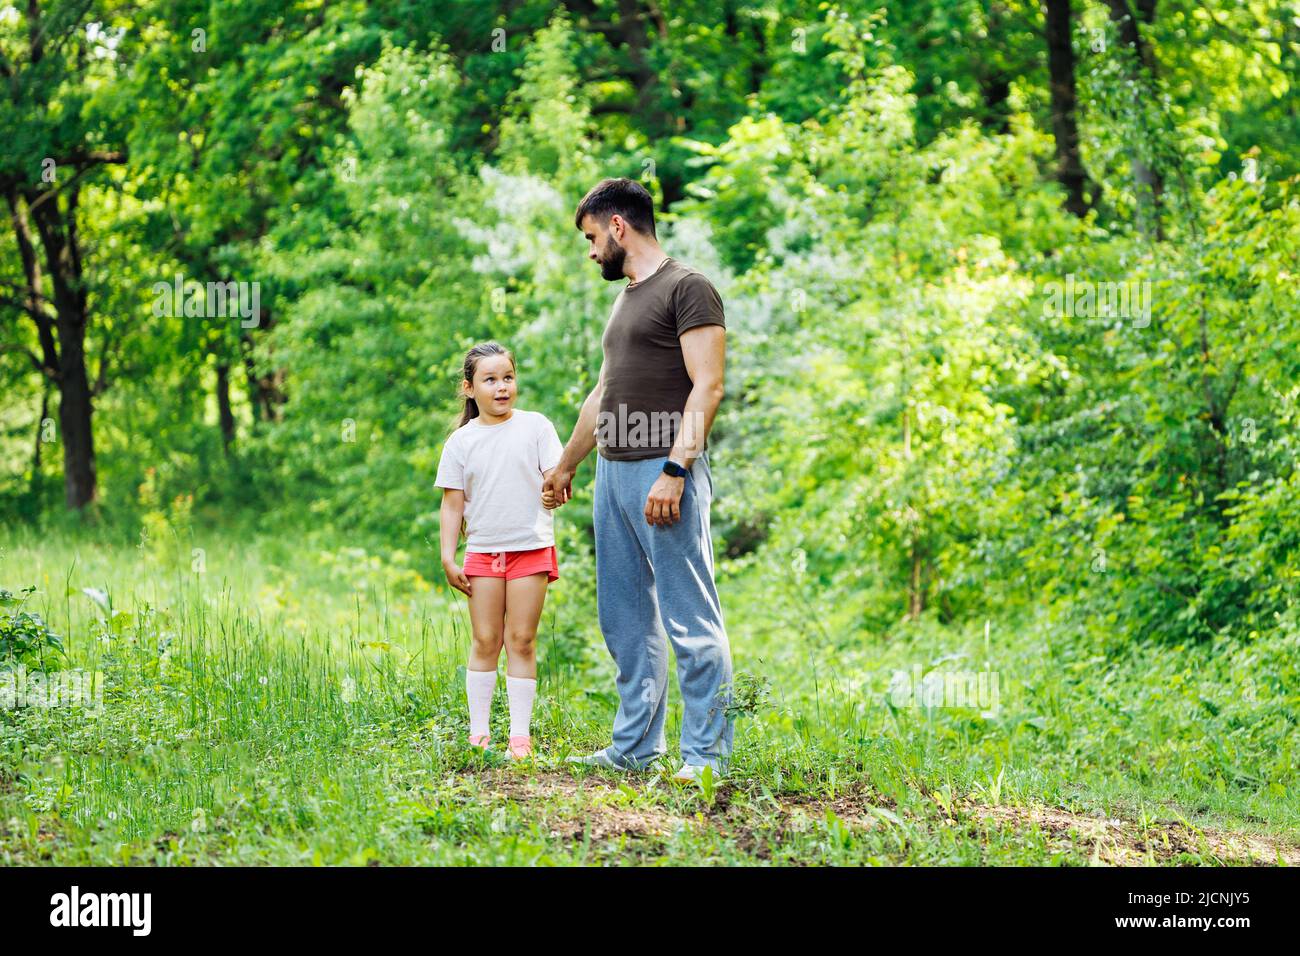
point(521, 691)
point(479, 687)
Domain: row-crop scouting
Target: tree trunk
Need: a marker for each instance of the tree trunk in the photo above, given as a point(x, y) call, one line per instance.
point(266, 392)
point(996, 91)
point(1148, 185)
point(58, 232)
point(75, 414)
point(250, 374)
point(993, 78)
point(37, 480)
point(758, 66)
point(225, 414)
point(1065, 128)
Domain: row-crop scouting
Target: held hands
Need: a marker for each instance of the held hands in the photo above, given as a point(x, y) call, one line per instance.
point(557, 488)
point(456, 576)
point(663, 504)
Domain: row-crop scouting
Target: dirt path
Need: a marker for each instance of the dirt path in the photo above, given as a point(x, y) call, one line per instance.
point(1126, 843)
point(573, 806)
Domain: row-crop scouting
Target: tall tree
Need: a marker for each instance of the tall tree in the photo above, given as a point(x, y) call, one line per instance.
point(58, 142)
point(1064, 99)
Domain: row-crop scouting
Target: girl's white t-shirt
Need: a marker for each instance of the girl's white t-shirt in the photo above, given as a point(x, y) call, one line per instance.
point(499, 467)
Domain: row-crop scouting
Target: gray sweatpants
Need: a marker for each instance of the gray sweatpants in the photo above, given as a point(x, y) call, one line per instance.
point(654, 585)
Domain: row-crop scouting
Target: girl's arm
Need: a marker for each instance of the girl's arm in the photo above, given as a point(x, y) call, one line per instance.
point(450, 518)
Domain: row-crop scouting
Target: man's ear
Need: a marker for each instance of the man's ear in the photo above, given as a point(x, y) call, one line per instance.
point(617, 228)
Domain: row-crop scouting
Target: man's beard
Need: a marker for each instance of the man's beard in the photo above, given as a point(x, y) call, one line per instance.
point(611, 267)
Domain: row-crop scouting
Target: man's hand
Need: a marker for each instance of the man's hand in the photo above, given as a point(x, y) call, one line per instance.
point(663, 504)
point(557, 488)
point(456, 576)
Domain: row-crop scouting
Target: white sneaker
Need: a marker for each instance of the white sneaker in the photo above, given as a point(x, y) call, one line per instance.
point(694, 773)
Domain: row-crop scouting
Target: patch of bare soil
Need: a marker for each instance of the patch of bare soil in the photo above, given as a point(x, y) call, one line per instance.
point(1125, 843)
point(572, 807)
point(854, 809)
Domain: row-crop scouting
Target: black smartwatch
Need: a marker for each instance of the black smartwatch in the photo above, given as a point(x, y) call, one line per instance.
point(672, 468)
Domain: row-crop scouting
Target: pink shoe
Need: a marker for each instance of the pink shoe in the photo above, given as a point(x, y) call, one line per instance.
point(480, 741)
point(521, 748)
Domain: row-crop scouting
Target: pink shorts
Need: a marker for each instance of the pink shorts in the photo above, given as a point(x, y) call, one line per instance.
point(512, 564)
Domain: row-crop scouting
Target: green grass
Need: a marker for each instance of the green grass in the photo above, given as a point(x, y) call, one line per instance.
point(290, 705)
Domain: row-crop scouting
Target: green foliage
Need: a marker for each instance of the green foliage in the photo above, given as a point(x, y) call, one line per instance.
point(381, 315)
point(25, 639)
point(910, 430)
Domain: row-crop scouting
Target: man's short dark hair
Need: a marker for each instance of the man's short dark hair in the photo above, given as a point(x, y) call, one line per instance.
point(626, 197)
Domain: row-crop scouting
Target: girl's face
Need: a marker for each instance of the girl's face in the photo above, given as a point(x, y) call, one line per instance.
point(493, 388)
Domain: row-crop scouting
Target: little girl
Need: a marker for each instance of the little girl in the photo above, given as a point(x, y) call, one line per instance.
point(491, 473)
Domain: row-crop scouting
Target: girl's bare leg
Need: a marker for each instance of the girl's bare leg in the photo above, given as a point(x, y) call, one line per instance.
point(487, 621)
point(487, 607)
point(524, 600)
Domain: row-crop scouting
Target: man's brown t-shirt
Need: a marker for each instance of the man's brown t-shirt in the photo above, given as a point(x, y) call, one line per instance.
point(646, 383)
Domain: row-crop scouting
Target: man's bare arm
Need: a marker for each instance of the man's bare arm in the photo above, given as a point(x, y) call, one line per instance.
point(704, 349)
point(583, 439)
point(557, 486)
